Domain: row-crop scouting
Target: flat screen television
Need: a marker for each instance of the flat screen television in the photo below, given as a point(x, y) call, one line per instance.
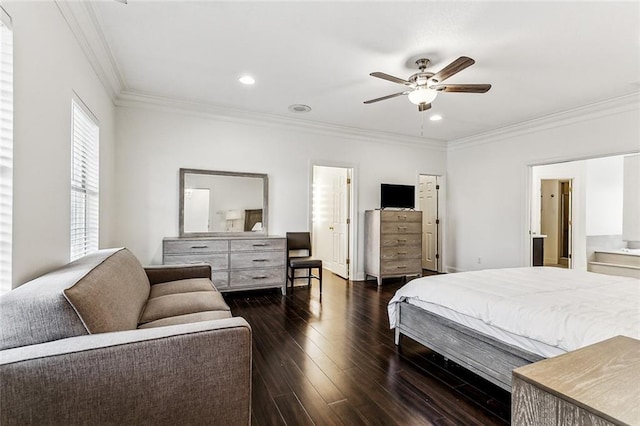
point(397, 196)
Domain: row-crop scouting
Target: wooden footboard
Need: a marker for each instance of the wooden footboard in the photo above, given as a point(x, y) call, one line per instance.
point(481, 354)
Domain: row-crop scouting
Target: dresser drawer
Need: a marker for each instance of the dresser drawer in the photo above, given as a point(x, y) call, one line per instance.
point(220, 280)
point(257, 277)
point(402, 267)
point(400, 228)
point(217, 260)
point(400, 253)
point(399, 216)
point(258, 244)
point(195, 246)
point(263, 259)
point(394, 240)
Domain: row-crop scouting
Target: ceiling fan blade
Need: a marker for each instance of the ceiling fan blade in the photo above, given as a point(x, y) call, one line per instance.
point(386, 97)
point(424, 107)
point(466, 88)
point(390, 78)
point(453, 68)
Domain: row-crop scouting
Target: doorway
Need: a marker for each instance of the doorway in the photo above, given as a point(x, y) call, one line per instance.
point(428, 203)
point(331, 217)
point(555, 221)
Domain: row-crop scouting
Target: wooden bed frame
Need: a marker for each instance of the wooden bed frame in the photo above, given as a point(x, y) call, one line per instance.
point(483, 355)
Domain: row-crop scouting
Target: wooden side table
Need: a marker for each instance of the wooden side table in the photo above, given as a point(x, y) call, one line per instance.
point(596, 385)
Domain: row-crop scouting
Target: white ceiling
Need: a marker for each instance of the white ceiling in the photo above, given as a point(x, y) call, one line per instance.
point(541, 57)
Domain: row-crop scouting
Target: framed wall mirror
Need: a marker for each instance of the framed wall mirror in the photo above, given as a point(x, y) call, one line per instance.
point(222, 203)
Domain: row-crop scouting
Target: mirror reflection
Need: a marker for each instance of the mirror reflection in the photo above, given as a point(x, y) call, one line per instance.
point(215, 202)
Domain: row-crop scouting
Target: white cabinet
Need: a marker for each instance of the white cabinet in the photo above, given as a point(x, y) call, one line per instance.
point(237, 263)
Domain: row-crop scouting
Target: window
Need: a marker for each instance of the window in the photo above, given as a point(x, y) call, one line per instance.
point(84, 182)
point(6, 149)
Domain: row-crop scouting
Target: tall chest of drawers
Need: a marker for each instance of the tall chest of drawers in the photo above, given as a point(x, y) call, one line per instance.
point(237, 263)
point(393, 243)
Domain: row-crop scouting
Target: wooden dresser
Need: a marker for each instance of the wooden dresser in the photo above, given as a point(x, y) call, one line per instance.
point(237, 263)
point(393, 243)
point(594, 385)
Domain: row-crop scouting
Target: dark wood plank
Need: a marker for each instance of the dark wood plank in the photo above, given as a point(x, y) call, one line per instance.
point(263, 407)
point(348, 413)
point(292, 410)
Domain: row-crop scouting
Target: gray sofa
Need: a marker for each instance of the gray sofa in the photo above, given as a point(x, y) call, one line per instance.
point(104, 340)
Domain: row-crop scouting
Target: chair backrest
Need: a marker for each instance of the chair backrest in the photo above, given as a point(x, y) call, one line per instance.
point(298, 241)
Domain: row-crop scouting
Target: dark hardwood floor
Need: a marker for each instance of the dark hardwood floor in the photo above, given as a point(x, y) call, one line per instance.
point(331, 360)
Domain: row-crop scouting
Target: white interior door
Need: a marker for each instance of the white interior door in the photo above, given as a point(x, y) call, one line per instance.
point(331, 218)
point(428, 202)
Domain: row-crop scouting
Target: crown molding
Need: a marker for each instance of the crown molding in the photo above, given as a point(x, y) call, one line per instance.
point(593, 111)
point(82, 20)
point(134, 99)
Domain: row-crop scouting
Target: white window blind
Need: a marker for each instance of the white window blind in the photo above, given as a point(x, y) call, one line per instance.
point(6, 149)
point(84, 182)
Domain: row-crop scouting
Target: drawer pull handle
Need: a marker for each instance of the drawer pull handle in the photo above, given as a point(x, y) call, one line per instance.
point(402, 217)
point(260, 260)
point(402, 267)
point(199, 247)
point(261, 277)
point(402, 252)
point(260, 245)
point(402, 241)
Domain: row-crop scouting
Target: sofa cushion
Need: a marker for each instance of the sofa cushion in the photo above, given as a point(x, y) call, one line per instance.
point(112, 296)
point(181, 286)
point(188, 319)
point(37, 311)
point(172, 305)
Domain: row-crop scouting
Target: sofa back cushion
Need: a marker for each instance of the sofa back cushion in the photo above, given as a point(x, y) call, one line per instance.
point(111, 297)
point(107, 290)
point(38, 312)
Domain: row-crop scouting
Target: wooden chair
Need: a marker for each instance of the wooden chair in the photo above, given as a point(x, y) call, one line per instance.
point(301, 241)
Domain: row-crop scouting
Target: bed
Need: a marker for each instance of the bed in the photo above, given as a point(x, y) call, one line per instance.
point(495, 320)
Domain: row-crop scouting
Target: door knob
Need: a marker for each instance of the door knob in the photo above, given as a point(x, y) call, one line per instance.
point(331, 228)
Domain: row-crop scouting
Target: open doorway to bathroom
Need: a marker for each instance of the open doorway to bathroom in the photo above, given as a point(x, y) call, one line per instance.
point(556, 221)
point(588, 211)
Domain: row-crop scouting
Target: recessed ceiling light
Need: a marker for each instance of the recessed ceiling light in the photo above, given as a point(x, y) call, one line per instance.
point(435, 117)
point(246, 79)
point(299, 108)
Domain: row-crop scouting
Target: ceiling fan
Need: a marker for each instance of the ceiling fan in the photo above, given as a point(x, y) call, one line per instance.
point(423, 86)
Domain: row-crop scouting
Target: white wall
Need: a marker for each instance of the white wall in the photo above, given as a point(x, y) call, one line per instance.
point(152, 144)
point(631, 216)
point(49, 66)
point(604, 199)
point(489, 181)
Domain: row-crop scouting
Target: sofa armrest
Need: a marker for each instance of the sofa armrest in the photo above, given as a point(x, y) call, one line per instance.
point(165, 273)
point(197, 373)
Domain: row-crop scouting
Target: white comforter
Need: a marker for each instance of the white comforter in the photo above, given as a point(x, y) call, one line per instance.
point(562, 308)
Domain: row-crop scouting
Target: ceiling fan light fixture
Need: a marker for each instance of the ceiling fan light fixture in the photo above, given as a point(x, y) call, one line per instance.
point(422, 95)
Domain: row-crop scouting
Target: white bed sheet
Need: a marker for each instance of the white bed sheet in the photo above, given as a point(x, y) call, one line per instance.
point(543, 310)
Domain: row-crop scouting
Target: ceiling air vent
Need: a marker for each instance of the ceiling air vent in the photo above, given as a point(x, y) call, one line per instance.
point(299, 108)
